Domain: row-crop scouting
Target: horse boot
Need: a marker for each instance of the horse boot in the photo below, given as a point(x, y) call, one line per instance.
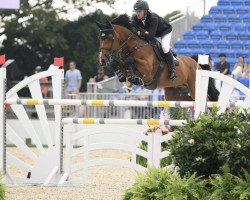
point(130, 62)
point(114, 65)
point(131, 76)
point(171, 65)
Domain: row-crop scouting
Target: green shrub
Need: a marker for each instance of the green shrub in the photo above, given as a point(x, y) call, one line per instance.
point(179, 113)
point(2, 190)
point(161, 184)
point(242, 187)
point(206, 144)
point(222, 185)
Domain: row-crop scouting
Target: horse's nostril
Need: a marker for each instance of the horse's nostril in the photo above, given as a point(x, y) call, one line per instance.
point(103, 61)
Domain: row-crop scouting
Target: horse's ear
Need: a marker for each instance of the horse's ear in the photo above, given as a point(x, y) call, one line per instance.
point(109, 25)
point(101, 26)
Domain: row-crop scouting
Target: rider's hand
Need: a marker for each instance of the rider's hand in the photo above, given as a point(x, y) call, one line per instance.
point(138, 33)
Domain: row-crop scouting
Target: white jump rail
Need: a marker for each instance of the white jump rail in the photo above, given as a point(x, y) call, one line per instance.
point(123, 121)
point(118, 103)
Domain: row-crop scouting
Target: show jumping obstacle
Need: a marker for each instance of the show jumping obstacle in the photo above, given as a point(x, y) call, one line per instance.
point(47, 168)
point(75, 102)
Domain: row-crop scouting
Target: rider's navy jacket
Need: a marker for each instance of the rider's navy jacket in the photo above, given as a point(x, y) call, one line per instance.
point(155, 25)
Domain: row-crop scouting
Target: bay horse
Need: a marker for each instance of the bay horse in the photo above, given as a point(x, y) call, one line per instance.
point(137, 56)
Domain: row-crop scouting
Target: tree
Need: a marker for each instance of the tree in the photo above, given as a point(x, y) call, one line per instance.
point(83, 44)
point(36, 33)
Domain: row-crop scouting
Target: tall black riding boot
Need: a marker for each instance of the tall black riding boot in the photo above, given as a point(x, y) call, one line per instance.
point(170, 62)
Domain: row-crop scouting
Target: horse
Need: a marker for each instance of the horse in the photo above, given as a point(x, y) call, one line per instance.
point(137, 57)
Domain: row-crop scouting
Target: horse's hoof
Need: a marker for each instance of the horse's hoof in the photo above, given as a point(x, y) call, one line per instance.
point(132, 80)
point(122, 79)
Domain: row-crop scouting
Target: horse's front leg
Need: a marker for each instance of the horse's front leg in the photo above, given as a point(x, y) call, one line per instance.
point(130, 63)
point(114, 64)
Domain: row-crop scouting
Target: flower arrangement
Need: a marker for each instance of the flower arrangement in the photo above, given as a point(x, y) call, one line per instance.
point(164, 129)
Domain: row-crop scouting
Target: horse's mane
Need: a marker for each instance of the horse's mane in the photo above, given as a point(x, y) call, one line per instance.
point(122, 20)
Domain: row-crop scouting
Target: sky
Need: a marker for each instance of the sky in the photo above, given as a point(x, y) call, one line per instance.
point(161, 7)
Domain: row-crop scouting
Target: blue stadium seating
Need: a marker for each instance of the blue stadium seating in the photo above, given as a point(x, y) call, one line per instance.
point(247, 44)
point(247, 60)
point(189, 35)
point(230, 53)
point(241, 52)
point(244, 35)
point(234, 18)
point(185, 52)
point(202, 35)
point(216, 35)
point(176, 50)
point(247, 2)
point(216, 10)
point(244, 81)
point(236, 44)
point(247, 26)
point(225, 26)
point(247, 53)
point(237, 3)
point(198, 51)
point(207, 44)
point(198, 26)
point(224, 2)
point(227, 10)
point(180, 44)
point(231, 68)
point(219, 18)
point(232, 62)
point(225, 30)
point(246, 18)
point(240, 27)
point(210, 27)
point(216, 60)
point(214, 52)
point(231, 35)
point(193, 44)
point(207, 19)
point(222, 44)
point(242, 9)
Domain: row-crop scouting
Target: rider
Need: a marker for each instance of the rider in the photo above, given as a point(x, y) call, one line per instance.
point(155, 26)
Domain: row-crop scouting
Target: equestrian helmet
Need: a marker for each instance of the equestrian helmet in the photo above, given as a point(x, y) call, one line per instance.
point(140, 5)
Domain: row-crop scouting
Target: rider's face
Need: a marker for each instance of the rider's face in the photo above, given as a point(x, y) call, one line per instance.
point(140, 14)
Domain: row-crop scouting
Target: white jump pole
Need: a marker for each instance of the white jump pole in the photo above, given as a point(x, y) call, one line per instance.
point(123, 121)
point(76, 102)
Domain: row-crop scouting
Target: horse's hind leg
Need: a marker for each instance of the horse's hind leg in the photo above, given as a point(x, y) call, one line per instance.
point(179, 93)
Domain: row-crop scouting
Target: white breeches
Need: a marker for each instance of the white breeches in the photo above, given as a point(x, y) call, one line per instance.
point(165, 42)
point(237, 72)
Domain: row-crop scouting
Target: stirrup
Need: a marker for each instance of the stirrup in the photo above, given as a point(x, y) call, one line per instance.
point(173, 77)
point(176, 62)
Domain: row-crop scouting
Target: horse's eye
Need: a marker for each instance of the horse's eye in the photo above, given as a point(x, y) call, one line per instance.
point(110, 38)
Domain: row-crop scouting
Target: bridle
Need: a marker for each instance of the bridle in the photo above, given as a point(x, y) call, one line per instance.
point(112, 54)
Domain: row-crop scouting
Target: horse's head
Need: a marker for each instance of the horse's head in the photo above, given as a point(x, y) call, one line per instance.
point(108, 44)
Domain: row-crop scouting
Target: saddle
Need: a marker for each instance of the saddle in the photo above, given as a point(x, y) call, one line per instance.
point(151, 85)
point(159, 52)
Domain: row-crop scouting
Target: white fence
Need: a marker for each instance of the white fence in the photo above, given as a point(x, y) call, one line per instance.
point(47, 167)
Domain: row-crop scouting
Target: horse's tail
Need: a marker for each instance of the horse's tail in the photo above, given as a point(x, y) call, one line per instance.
point(213, 93)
